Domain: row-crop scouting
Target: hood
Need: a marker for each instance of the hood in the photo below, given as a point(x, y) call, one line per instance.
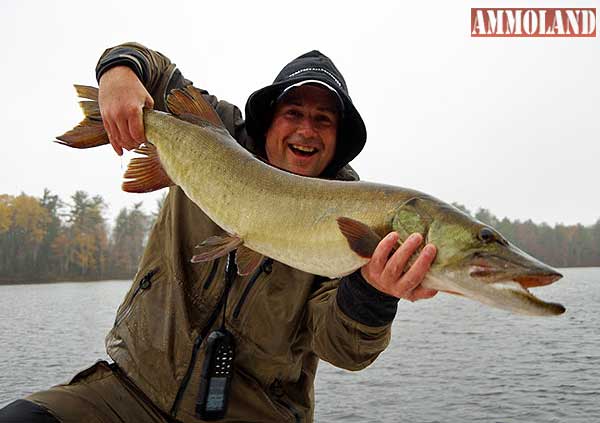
point(311, 66)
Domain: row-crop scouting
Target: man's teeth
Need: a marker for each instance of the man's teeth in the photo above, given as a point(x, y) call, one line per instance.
point(303, 148)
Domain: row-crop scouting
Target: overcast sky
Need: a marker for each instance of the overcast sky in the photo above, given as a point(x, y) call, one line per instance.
point(511, 125)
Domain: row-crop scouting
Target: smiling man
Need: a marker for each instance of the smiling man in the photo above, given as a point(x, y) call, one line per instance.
point(302, 135)
point(278, 321)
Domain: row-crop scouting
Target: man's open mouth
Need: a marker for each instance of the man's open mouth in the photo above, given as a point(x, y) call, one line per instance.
point(303, 150)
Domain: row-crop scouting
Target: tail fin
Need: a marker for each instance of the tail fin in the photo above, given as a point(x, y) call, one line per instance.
point(90, 132)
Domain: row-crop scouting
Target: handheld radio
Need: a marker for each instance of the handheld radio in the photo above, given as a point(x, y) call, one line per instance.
point(216, 376)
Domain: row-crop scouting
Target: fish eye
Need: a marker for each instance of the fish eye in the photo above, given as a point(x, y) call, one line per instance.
point(486, 235)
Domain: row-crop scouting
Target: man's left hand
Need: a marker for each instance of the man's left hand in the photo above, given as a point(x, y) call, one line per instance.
point(386, 273)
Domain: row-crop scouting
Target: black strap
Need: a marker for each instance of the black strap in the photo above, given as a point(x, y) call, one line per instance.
point(230, 272)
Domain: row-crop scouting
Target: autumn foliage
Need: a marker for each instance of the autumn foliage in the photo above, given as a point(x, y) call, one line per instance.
point(50, 239)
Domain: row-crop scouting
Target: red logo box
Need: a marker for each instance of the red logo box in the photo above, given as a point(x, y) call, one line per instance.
point(535, 22)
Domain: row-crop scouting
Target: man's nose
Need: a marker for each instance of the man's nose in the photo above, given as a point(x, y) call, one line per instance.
point(306, 127)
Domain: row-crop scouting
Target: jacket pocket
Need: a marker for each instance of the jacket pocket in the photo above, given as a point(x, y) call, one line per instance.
point(290, 409)
point(265, 267)
point(276, 391)
point(278, 410)
point(144, 284)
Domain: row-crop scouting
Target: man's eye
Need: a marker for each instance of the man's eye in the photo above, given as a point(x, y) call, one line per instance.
point(323, 120)
point(293, 113)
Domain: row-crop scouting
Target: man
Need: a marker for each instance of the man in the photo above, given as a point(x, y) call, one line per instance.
point(282, 320)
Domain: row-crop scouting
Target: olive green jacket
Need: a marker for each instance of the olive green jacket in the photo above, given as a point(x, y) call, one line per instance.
point(283, 320)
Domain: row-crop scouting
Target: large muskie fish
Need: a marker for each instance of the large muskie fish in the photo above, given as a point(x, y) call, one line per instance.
point(323, 227)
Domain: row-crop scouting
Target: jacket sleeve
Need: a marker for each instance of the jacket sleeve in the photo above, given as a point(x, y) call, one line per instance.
point(350, 321)
point(156, 71)
point(159, 75)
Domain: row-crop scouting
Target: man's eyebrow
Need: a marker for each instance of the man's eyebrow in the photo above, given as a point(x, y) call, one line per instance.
point(294, 101)
point(329, 109)
point(297, 101)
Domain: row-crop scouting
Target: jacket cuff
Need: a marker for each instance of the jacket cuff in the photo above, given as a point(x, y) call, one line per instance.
point(123, 56)
point(364, 303)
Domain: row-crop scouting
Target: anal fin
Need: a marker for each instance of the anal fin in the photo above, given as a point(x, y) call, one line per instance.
point(361, 238)
point(247, 260)
point(216, 246)
point(146, 174)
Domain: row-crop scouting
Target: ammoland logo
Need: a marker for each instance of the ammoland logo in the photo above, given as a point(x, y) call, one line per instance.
point(536, 22)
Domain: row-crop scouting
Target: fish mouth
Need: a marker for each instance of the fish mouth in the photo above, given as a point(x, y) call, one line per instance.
point(513, 290)
point(530, 281)
point(535, 306)
point(527, 280)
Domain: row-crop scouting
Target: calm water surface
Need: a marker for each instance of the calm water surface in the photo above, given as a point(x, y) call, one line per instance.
point(450, 360)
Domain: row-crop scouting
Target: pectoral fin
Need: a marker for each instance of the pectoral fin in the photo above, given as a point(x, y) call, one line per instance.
point(146, 174)
point(247, 260)
point(361, 238)
point(216, 246)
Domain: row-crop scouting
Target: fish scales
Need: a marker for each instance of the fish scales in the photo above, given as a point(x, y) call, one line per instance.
point(278, 214)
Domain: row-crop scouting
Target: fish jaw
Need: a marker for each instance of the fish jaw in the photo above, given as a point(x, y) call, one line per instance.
point(509, 294)
point(507, 262)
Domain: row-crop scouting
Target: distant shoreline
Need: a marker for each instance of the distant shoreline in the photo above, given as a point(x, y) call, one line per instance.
point(5, 281)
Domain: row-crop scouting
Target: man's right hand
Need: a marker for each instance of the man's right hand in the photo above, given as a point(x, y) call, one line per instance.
point(386, 273)
point(121, 98)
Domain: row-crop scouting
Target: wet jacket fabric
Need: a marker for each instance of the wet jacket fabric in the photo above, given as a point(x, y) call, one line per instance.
point(283, 320)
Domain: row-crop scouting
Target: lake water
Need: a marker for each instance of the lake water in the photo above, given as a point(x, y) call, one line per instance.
point(450, 360)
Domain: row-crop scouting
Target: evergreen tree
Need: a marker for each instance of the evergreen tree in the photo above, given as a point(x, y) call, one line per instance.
point(128, 241)
point(48, 262)
point(88, 239)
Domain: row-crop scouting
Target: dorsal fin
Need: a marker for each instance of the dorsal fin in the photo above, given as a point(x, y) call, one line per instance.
point(188, 104)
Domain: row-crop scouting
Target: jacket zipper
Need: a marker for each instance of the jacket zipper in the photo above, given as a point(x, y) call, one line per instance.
point(144, 283)
point(200, 338)
point(291, 409)
point(251, 283)
point(277, 394)
point(195, 349)
point(211, 275)
point(264, 267)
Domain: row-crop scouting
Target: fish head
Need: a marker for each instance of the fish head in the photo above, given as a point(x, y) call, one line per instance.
point(475, 260)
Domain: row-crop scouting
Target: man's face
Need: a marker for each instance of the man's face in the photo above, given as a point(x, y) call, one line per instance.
point(302, 135)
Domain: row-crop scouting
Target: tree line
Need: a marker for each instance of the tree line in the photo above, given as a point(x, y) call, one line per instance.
point(45, 238)
point(559, 245)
